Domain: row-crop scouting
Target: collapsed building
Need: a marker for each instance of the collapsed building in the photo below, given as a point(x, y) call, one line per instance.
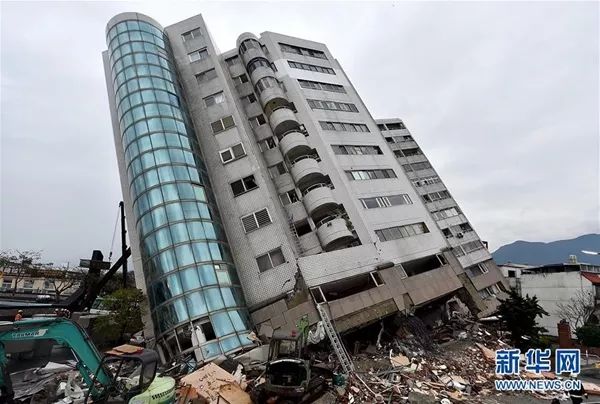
point(257, 185)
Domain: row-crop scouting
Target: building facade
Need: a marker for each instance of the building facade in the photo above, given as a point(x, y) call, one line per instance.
point(260, 170)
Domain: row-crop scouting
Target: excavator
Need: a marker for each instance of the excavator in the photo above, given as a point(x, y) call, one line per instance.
point(115, 377)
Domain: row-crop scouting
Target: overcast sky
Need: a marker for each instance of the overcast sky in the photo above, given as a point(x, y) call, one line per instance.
point(502, 97)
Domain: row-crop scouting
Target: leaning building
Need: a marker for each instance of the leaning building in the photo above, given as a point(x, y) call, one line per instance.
point(257, 185)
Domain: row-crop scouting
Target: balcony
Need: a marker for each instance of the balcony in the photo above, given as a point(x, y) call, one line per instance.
point(293, 144)
point(260, 72)
point(319, 202)
point(252, 53)
point(283, 120)
point(333, 233)
point(272, 98)
point(306, 171)
point(309, 243)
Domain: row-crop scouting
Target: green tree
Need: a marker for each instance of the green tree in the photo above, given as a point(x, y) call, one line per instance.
point(127, 307)
point(519, 317)
point(589, 335)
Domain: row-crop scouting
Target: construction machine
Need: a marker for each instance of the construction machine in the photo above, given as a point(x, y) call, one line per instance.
point(116, 377)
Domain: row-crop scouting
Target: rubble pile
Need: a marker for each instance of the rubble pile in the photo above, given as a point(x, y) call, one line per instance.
point(455, 364)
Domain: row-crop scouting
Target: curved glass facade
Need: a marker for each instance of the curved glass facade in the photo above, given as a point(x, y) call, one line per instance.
point(195, 295)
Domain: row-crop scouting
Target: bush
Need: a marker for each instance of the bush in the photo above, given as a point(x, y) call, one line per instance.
point(589, 335)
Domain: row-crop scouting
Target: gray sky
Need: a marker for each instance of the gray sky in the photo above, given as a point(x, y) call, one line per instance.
point(503, 98)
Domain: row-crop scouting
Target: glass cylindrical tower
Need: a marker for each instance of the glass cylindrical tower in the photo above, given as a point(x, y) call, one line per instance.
point(195, 296)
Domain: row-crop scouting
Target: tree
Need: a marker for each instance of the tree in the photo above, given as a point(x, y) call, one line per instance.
point(589, 335)
point(127, 307)
point(519, 317)
point(64, 279)
point(19, 264)
point(578, 309)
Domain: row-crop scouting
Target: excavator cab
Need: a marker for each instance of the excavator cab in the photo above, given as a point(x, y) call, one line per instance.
point(133, 379)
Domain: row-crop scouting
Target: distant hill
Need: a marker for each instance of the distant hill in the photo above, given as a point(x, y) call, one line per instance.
point(536, 253)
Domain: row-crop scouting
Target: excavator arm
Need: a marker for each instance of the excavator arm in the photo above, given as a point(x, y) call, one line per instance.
point(63, 332)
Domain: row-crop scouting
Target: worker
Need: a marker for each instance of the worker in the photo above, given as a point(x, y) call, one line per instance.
point(19, 315)
point(577, 395)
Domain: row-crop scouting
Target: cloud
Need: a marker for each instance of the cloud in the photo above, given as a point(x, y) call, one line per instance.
point(503, 98)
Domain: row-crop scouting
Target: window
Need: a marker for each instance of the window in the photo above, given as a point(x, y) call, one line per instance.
point(421, 165)
point(256, 63)
point(264, 83)
point(232, 153)
point(232, 60)
point(256, 220)
point(277, 170)
point(350, 149)
point(206, 75)
point(258, 120)
point(472, 246)
point(391, 126)
point(513, 274)
point(317, 85)
point(28, 284)
point(289, 197)
point(426, 181)
point(240, 79)
point(6, 283)
point(198, 55)
point(344, 126)
point(244, 185)
point(217, 98)
point(267, 144)
point(398, 232)
point(249, 44)
point(447, 233)
point(188, 36)
point(249, 99)
point(424, 264)
point(302, 51)
point(377, 278)
point(302, 228)
point(385, 201)
point(270, 260)
point(222, 124)
point(436, 196)
point(476, 270)
point(357, 175)
point(332, 105)
point(415, 151)
point(312, 68)
point(445, 213)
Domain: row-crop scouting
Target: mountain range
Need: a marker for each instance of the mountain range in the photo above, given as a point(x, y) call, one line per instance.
point(538, 253)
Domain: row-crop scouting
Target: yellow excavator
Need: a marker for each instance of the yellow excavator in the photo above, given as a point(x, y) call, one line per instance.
point(112, 378)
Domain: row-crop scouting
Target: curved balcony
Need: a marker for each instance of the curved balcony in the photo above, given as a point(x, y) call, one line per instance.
point(252, 53)
point(261, 72)
point(272, 98)
point(283, 120)
point(306, 171)
point(333, 233)
point(319, 202)
point(293, 144)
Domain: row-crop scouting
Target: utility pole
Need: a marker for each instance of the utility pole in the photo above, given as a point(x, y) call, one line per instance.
point(123, 243)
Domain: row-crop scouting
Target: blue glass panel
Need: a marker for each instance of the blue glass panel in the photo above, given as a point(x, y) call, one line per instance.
point(199, 192)
point(174, 212)
point(166, 174)
point(214, 300)
point(228, 297)
point(196, 230)
point(163, 238)
point(207, 275)
point(237, 320)
point(220, 321)
point(179, 232)
point(190, 279)
point(190, 210)
point(215, 251)
point(184, 255)
point(166, 261)
point(209, 230)
point(230, 343)
point(210, 350)
point(196, 304)
point(201, 253)
point(159, 217)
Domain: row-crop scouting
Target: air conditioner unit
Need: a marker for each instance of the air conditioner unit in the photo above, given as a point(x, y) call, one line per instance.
point(459, 235)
